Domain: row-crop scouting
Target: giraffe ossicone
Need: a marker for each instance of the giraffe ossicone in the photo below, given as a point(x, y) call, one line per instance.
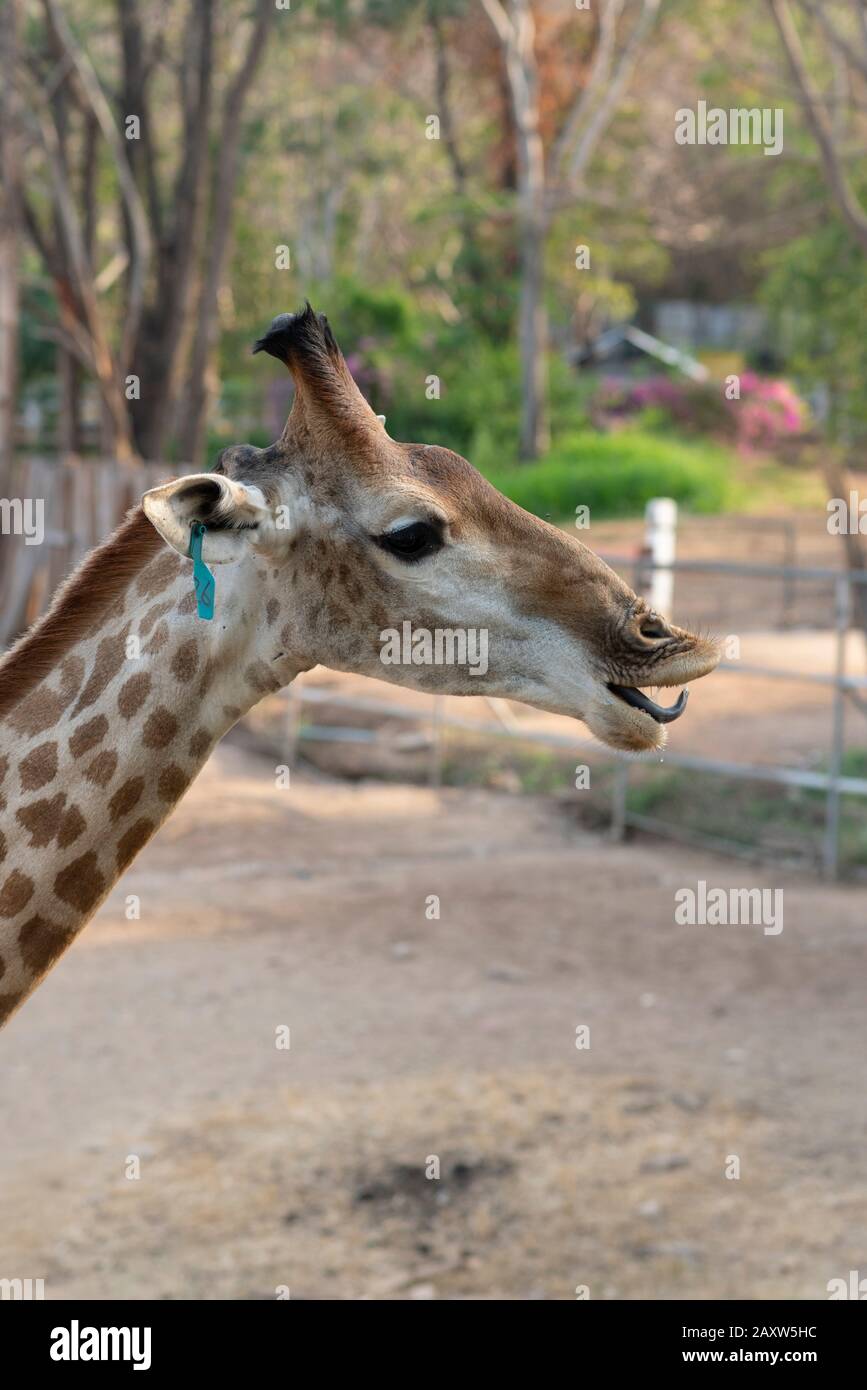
point(326, 541)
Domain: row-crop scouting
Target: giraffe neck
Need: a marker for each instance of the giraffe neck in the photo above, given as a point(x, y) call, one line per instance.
point(94, 758)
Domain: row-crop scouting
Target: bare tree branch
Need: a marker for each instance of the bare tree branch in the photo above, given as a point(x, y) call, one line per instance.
point(140, 250)
point(48, 252)
point(516, 31)
point(861, 15)
point(600, 70)
point(599, 114)
point(225, 182)
point(167, 329)
point(500, 20)
point(820, 124)
point(841, 42)
point(87, 181)
point(103, 361)
point(76, 344)
point(443, 86)
point(137, 70)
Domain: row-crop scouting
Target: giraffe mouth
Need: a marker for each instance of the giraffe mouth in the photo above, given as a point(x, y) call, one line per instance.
point(631, 695)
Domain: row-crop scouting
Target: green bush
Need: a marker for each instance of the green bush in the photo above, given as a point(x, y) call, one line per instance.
point(788, 821)
point(616, 474)
point(394, 349)
point(816, 291)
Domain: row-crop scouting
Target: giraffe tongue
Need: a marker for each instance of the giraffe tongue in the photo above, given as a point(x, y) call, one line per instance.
point(639, 700)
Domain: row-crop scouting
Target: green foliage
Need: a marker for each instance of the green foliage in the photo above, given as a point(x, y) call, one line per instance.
point(817, 291)
point(38, 353)
point(395, 350)
point(756, 814)
point(616, 474)
point(584, 302)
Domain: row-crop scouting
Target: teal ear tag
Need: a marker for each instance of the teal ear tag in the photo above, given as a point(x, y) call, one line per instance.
point(203, 580)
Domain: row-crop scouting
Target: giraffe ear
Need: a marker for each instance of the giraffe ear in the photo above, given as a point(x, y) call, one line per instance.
point(234, 514)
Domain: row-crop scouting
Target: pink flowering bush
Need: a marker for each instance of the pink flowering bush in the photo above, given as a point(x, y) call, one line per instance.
point(766, 414)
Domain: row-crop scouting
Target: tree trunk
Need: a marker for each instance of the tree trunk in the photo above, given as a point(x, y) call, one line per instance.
point(848, 205)
point(533, 317)
point(820, 124)
point(533, 340)
point(517, 35)
point(202, 378)
point(164, 341)
point(69, 402)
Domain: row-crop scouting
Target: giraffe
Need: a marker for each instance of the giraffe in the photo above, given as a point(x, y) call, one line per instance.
point(321, 544)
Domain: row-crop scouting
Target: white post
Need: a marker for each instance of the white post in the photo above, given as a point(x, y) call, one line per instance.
point(660, 544)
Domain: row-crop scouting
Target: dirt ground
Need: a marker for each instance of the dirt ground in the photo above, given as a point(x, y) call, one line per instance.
point(423, 1043)
point(414, 1039)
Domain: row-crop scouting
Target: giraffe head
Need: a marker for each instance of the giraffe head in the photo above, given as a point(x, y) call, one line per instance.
point(400, 561)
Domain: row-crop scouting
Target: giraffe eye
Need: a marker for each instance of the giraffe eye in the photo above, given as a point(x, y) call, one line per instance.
point(413, 542)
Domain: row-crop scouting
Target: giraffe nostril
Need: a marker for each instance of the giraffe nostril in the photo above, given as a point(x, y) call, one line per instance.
point(653, 626)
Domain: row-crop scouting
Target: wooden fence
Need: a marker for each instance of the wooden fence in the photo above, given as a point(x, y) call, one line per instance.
point(84, 499)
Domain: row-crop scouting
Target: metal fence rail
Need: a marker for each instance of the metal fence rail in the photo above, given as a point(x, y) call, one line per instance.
point(833, 782)
point(843, 685)
point(85, 499)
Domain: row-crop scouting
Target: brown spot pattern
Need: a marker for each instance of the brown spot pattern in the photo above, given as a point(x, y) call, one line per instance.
point(80, 884)
point(272, 611)
point(133, 694)
point(71, 676)
point(159, 638)
point(82, 602)
point(41, 943)
point(172, 783)
point(132, 841)
point(8, 1004)
point(102, 768)
point(71, 827)
point(338, 615)
point(159, 610)
point(262, 679)
point(188, 604)
point(353, 590)
point(110, 657)
point(160, 728)
point(37, 711)
point(15, 894)
point(41, 819)
point(39, 767)
point(88, 735)
point(125, 798)
point(200, 743)
point(209, 670)
point(116, 609)
point(159, 575)
point(185, 661)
